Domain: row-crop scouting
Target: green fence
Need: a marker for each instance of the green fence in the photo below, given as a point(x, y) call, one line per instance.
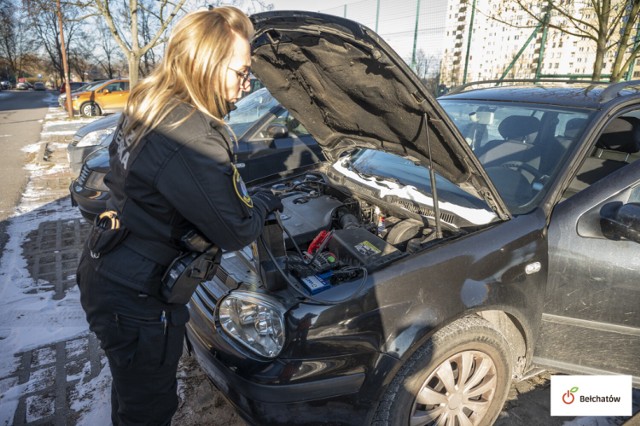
point(456, 41)
point(415, 28)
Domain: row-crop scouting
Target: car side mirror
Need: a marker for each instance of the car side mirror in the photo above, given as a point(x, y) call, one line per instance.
point(105, 92)
point(277, 131)
point(618, 221)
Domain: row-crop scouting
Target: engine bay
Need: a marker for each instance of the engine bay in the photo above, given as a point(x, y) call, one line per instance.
point(327, 235)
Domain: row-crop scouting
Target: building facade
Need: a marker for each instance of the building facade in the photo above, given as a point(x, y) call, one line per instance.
point(494, 39)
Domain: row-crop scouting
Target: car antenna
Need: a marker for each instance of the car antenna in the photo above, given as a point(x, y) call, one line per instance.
point(432, 179)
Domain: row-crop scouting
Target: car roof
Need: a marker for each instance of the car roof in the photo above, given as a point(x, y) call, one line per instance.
point(572, 94)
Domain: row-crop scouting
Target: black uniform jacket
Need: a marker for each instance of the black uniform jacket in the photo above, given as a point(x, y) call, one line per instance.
point(176, 179)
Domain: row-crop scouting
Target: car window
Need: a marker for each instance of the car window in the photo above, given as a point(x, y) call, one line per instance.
point(250, 109)
point(403, 171)
point(294, 127)
point(115, 87)
point(93, 86)
point(634, 195)
point(617, 145)
point(521, 146)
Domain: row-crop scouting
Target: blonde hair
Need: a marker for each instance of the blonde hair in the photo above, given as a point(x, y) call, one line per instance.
point(193, 70)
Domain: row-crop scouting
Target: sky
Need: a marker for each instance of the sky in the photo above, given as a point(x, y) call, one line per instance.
point(311, 5)
point(393, 20)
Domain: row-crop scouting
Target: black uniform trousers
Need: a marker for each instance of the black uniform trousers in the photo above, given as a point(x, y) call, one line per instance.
point(143, 340)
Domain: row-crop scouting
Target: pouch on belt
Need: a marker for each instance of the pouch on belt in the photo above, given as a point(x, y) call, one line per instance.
point(190, 269)
point(106, 234)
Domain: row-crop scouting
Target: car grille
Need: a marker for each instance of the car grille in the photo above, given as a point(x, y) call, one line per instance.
point(209, 293)
point(235, 269)
point(84, 174)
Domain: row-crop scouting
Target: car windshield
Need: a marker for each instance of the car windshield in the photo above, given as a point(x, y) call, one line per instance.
point(89, 86)
point(521, 146)
point(400, 179)
point(249, 109)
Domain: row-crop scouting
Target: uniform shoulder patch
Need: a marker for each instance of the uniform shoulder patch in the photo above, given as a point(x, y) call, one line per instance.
point(241, 188)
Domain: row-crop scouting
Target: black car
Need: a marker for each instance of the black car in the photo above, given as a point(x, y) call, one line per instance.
point(90, 138)
point(269, 141)
point(443, 250)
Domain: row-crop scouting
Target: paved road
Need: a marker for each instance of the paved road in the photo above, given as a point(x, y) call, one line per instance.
point(21, 116)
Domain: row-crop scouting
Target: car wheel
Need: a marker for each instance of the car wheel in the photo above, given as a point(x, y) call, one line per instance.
point(89, 109)
point(461, 376)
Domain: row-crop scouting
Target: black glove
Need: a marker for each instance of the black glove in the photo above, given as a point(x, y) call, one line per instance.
point(270, 201)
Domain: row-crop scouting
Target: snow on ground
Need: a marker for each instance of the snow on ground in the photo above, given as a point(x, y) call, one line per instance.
point(93, 400)
point(30, 318)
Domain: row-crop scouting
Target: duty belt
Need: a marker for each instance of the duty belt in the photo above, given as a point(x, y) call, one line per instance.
point(153, 250)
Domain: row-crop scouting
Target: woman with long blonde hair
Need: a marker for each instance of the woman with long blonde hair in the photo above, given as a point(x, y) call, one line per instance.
point(174, 189)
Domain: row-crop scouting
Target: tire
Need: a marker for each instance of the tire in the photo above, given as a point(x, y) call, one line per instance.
point(89, 109)
point(426, 389)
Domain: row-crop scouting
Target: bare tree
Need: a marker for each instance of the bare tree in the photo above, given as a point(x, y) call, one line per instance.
point(109, 55)
point(631, 21)
point(14, 40)
point(8, 38)
point(149, 58)
point(426, 65)
point(124, 23)
point(609, 24)
point(81, 60)
point(139, 27)
point(43, 21)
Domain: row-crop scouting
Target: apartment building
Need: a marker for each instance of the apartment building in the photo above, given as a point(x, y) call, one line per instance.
point(498, 39)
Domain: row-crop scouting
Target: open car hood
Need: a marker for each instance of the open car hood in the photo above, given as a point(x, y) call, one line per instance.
point(350, 89)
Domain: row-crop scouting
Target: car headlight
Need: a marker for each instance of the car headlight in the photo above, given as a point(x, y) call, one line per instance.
point(95, 181)
point(255, 321)
point(95, 138)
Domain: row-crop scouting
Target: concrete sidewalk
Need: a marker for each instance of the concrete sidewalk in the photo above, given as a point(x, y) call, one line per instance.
point(51, 252)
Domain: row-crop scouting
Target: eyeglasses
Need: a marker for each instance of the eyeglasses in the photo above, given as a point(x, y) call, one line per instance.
point(243, 76)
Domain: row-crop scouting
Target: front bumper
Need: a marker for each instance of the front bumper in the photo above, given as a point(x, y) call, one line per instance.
point(89, 202)
point(327, 388)
point(332, 400)
point(76, 156)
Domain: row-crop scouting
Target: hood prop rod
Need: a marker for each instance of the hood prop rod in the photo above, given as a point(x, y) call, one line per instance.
point(432, 179)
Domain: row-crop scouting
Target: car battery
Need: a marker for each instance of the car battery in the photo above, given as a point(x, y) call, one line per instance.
point(359, 247)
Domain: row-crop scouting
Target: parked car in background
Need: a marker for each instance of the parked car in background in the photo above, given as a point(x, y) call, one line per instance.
point(23, 85)
point(108, 97)
point(443, 250)
point(85, 87)
point(89, 138)
point(269, 141)
point(74, 85)
point(6, 84)
point(39, 85)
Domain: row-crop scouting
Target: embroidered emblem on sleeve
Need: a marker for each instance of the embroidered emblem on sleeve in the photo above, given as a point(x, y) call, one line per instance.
point(241, 188)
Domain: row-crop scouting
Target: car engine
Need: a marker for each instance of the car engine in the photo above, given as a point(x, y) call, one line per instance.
point(326, 236)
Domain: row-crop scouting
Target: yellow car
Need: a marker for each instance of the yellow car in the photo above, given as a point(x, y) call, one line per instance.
point(111, 96)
